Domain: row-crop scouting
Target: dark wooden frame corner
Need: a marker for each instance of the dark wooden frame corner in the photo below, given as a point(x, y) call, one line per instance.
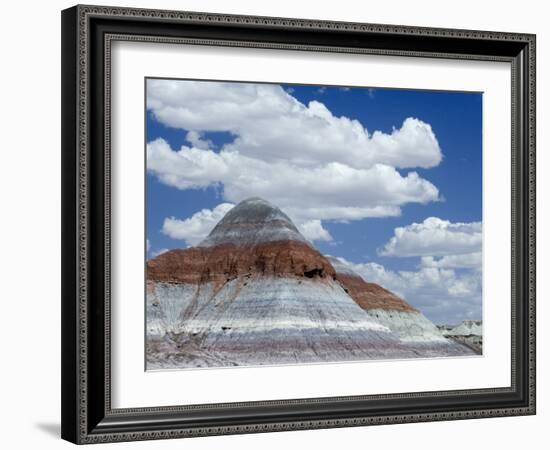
point(87, 33)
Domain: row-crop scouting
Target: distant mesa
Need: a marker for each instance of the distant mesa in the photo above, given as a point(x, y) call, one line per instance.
point(468, 333)
point(256, 292)
point(466, 328)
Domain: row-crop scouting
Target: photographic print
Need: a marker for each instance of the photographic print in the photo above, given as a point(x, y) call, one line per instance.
point(298, 224)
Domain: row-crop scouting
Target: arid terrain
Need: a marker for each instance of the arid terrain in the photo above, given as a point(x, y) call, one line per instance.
point(256, 292)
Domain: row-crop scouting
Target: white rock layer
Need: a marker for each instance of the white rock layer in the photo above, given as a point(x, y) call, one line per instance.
point(409, 326)
point(272, 320)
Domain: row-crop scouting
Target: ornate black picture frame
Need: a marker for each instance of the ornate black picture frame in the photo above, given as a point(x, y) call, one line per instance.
point(87, 34)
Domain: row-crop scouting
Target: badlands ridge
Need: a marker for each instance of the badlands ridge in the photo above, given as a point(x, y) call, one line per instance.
point(256, 292)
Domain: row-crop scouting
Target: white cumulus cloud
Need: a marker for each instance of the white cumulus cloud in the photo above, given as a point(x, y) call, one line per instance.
point(443, 295)
point(271, 124)
point(447, 284)
point(195, 139)
point(465, 261)
point(195, 228)
point(327, 191)
point(303, 158)
point(313, 230)
point(435, 237)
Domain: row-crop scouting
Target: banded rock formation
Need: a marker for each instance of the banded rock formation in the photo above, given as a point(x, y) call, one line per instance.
point(255, 291)
point(387, 308)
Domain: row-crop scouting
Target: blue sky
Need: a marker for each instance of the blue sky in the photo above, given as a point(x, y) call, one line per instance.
point(436, 135)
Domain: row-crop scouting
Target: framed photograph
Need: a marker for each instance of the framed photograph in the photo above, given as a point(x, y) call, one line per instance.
point(279, 224)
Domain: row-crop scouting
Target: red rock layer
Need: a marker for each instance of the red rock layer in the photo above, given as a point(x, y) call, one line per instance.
point(224, 262)
point(371, 295)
